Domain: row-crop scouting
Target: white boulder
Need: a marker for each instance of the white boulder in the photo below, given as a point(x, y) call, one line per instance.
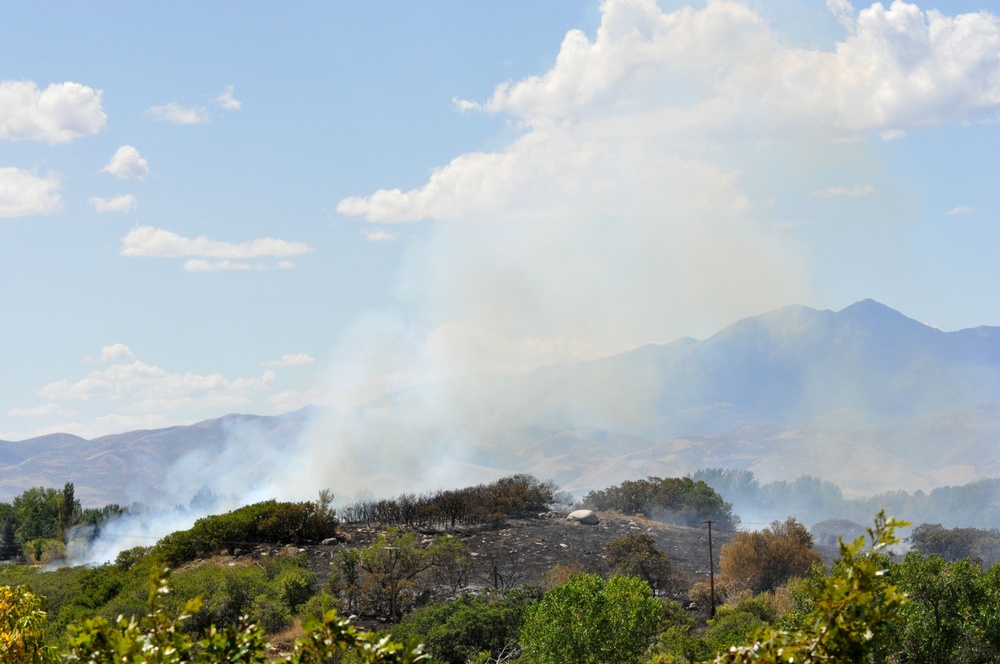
point(586, 517)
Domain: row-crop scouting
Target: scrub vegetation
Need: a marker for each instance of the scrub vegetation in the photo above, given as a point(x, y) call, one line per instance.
point(397, 583)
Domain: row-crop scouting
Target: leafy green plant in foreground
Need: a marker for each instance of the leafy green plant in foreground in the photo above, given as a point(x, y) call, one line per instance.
point(157, 638)
point(850, 606)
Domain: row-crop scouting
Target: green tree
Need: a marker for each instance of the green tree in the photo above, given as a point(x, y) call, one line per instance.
point(69, 510)
point(591, 621)
point(956, 543)
point(37, 514)
point(8, 537)
point(951, 616)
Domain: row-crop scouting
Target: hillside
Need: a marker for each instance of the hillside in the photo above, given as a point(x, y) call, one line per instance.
point(864, 397)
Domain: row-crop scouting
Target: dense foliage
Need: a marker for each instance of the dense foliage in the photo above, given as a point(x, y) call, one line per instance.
point(37, 524)
point(678, 500)
point(485, 626)
point(268, 522)
point(159, 635)
point(591, 621)
point(777, 602)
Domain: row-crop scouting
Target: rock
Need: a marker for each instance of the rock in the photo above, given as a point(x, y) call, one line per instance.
point(586, 517)
point(330, 541)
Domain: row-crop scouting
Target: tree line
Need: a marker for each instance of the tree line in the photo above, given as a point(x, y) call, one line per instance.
point(811, 500)
point(37, 524)
point(516, 495)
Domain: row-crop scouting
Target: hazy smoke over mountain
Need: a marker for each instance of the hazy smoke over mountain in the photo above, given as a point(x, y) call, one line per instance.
point(646, 199)
point(677, 171)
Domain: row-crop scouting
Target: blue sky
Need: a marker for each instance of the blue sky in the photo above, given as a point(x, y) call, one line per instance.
point(228, 207)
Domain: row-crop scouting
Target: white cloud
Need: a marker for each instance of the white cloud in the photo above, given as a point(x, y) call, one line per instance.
point(465, 105)
point(60, 113)
point(710, 76)
point(23, 193)
point(157, 242)
point(896, 68)
point(380, 235)
point(119, 203)
point(202, 265)
point(291, 360)
point(45, 410)
point(127, 163)
point(227, 101)
point(961, 209)
point(849, 192)
point(177, 114)
point(149, 388)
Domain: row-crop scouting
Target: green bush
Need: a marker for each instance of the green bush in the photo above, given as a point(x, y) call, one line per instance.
point(461, 630)
point(268, 522)
point(295, 586)
point(157, 636)
point(591, 621)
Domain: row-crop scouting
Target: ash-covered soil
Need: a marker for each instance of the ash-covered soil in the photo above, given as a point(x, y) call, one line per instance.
point(520, 551)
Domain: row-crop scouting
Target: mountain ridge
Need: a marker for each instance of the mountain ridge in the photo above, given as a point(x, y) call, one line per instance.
point(793, 390)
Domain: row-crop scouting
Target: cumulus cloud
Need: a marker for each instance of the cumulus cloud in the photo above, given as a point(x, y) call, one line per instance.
point(148, 388)
point(227, 101)
point(291, 360)
point(177, 114)
point(119, 203)
point(896, 68)
point(58, 114)
point(127, 163)
point(380, 235)
point(849, 192)
point(709, 73)
point(148, 241)
point(23, 193)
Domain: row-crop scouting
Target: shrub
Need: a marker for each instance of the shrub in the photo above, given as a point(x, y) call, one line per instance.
point(268, 522)
point(590, 620)
point(678, 500)
point(22, 627)
point(459, 631)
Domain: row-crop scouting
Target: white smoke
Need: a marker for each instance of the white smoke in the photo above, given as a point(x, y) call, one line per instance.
point(662, 186)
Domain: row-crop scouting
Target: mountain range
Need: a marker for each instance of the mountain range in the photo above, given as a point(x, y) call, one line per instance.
point(864, 397)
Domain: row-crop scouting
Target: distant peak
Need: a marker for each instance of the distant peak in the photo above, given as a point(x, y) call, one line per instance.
point(868, 305)
point(871, 312)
